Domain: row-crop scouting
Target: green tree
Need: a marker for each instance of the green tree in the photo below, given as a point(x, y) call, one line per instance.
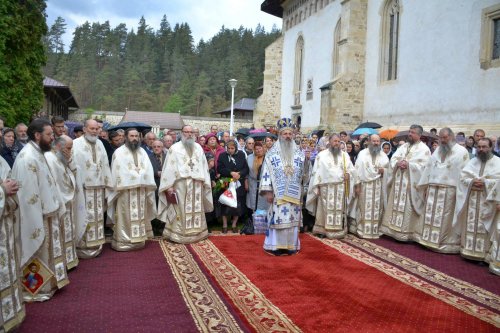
point(174, 104)
point(22, 56)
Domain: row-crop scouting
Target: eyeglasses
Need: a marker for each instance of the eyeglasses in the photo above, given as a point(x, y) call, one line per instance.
point(187, 132)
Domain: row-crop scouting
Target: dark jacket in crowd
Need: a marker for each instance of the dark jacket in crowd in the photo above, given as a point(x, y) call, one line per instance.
point(225, 166)
point(10, 153)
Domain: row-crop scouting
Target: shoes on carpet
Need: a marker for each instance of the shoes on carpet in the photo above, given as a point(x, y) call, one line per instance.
point(320, 236)
point(108, 232)
point(224, 230)
point(235, 230)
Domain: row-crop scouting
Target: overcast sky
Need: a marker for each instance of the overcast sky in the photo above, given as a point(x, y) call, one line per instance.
point(205, 17)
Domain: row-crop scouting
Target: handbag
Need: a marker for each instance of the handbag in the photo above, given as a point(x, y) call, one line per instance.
point(228, 197)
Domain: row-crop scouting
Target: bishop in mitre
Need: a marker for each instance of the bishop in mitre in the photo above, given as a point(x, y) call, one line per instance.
point(371, 166)
point(90, 157)
point(69, 184)
point(41, 208)
point(405, 202)
point(282, 182)
point(12, 310)
point(185, 181)
point(475, 213)
point(331, 189)
point(493, 257)
point(440, 230)
point(132, 203)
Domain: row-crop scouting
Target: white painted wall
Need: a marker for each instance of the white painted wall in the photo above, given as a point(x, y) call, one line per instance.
point(440, 81)
point(317, 31)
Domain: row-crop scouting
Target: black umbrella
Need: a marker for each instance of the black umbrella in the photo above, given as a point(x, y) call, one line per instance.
point(426, 136)
point(243, 131)
point(131, 124)
point(369, 125)
point(262, 135)
point(319, 133)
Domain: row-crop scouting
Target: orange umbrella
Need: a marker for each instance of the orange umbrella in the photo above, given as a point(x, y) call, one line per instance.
point(388, 134)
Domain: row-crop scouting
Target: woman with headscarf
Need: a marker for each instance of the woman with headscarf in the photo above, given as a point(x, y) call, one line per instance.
point(10, 147)
point(350, 150)
point(254, 162)
point(233, 164)
point(387, 149)
point(212, 146)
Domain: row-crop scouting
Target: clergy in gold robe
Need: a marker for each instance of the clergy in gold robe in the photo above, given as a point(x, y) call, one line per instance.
point(186, 181)
point(371, 166)
point(330, 191)
point(493, 257)
point(90, 157)
point(405, 202)
point(12, 310)
point(69, 185)
point(475, 213)
point(439, 229)
point(41, 209)
point(132, 203)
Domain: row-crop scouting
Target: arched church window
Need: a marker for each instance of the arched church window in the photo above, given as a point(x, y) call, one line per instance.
point(336, 49)
point(390, 39)
point(299, 60)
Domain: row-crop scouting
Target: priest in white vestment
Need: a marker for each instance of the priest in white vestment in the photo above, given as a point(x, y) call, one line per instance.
point(185, 181)
point(493, 257)
point(282, 183)
point(41, 208)
point(439, 228)
point(132, 203)
point(371, 167)
point(12, 310)
point(69, 185)
point(90, 157)
point(331, 189)
point(405, 202)
point(475, 213)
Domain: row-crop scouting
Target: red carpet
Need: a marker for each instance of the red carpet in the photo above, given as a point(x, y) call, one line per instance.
point(324, 290)
point(116, 292)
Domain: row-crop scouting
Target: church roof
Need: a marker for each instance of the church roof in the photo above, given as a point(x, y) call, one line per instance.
point(170, 120)
point(244, 104)
point(272, 7)
point(62, 90)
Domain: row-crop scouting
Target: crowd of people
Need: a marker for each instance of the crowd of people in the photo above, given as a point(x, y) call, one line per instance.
point(63, 193)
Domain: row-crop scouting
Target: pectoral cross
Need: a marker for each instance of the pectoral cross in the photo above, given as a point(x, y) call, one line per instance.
point(191, 164)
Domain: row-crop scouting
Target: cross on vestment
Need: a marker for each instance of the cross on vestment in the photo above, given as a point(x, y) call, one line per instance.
point(297, 161)
point(275, 162)
point(191, 164)
point(285, 211)
point(296, 209)
point(266, 176)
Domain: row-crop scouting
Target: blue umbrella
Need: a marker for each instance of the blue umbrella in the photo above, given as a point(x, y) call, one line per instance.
point(360, 131)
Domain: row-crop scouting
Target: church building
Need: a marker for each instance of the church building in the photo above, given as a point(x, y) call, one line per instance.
point(396, 62)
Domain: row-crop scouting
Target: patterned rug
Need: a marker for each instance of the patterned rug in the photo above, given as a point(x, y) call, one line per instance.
point(229, 284)
point(333, 286)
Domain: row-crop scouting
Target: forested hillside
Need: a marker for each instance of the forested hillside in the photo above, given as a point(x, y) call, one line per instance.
point(114, 68)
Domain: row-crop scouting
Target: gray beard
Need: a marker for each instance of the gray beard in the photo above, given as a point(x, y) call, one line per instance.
point(287, 148)
point(335, 151)
point(444, 149)
point(484, 157)
point(61, 158)
point(91, 138)
point(188, 145)
point(23, 140)
point(374, 150)
point(133, 146)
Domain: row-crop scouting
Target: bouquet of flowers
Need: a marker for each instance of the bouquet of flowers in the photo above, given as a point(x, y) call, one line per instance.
point(221, 184)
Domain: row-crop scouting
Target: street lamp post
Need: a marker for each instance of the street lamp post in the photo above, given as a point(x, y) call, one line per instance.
point(233, 83)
